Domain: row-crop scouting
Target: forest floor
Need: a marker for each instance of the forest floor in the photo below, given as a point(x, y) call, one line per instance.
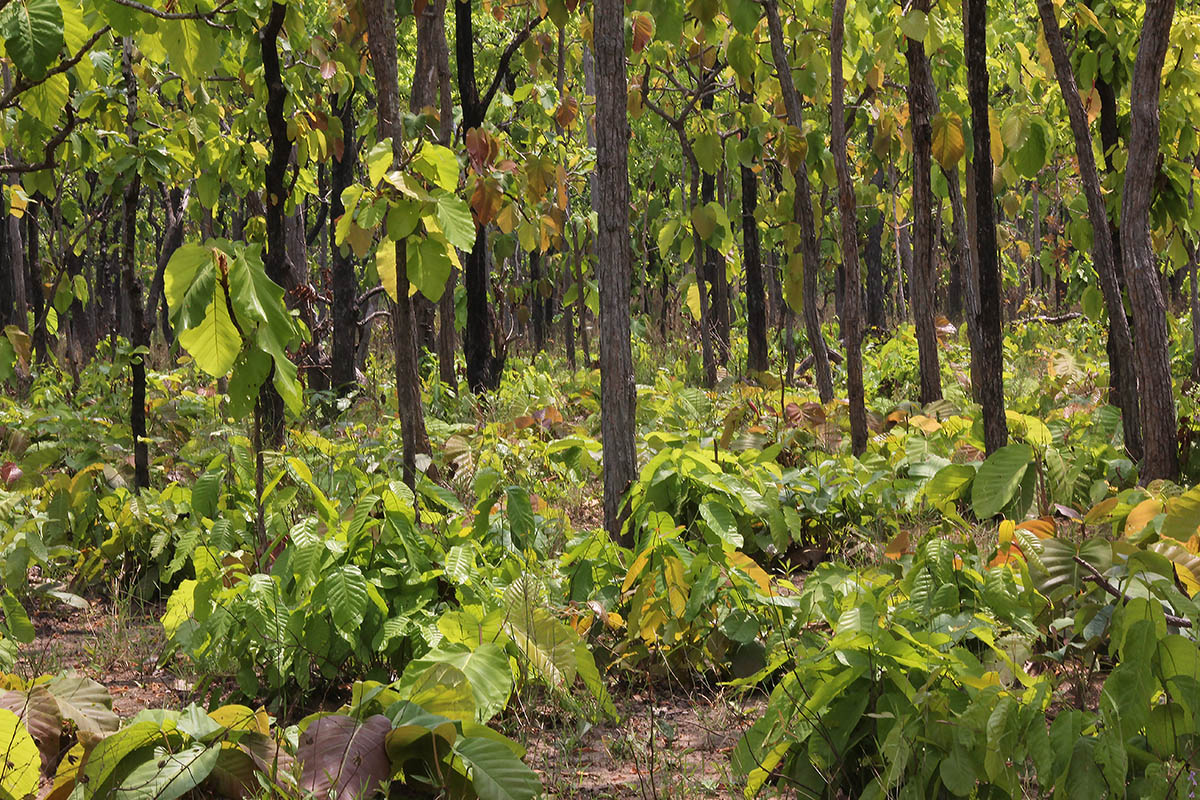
point(672, 740)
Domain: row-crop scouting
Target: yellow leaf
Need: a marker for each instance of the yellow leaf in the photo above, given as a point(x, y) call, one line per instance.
point(747, 565)
point(673, 577)
point(1141, 515)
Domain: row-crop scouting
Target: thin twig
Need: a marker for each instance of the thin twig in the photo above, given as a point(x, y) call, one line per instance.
point(1103, 583)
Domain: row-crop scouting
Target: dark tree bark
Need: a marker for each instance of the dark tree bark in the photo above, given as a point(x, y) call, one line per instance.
point(924, 276)
point(810, 246)
point(617, 395)
point(172, 240)
point(1120, 340)
point(991, 336)
point(1152, 358)
point(876, 317)
point(756, 311)
point(852, 300)
point(343, 277)
point(270, 409)
point(484, 366)
point(133, 286)
point(34, 282)
point(381, 40)
point(536, 308)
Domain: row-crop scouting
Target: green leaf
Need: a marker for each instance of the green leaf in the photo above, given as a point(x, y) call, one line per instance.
point(496, 774)
point(215, 342)
point(915, 25)
point(1183, 516)
point(958, 771)
point(721, 522)
point(164, 775)
point(185, 283)
point(743, 56)
point(379, 161)
point(429, 266)
point(520, 516)
point(402, 218)
point(745, 15)
point(487, 671)
point(454, 218)
point(998, 479)
point(347, 592)
point(439, 165)
point(106, 757)
point(33, 34)
point(20, 761)
point(16, 619)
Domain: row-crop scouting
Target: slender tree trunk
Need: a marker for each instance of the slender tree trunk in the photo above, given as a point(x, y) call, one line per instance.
point(270, 402)
point(343, 277)
point(35, 284)
point(873, 255)
point(991, 335)
point(803, 211)
point(924, 276)
point(756, 313)
point(133, 286)
point(536, 307)
point(851, 319)
point(381, 40)
point(617, 394)
point(1153, 365)
point(1104, 259)
point(699, 257)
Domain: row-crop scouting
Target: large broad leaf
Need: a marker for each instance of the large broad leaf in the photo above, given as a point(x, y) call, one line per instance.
point(438, 165)
point(454, 218)
point(19, 758)
point(344, 759)
point(33, 34)
point(86, 703)
point(998, 479)
point(444, 689)
point(429, 266)
point(486, 668)
point(214, 343)
point(187, 283)
point(165, 775)
point(948, 143)
point(496, 774)
point(1183, 516)
point(37, 709)
point(347, 591)
point(103, 767)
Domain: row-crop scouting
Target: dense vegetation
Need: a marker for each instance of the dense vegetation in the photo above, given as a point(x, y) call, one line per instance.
point(420, 361)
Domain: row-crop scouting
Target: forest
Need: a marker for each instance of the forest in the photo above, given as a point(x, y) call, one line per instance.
point(513, 399)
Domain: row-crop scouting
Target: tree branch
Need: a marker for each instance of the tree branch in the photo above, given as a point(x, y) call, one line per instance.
point(1095, 577)
point(505, 57)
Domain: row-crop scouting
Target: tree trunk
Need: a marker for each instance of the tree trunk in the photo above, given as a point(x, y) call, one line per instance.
point(1152, 357)
point(34, 281)
point(1120, 340)
point(133, 287)
point(617, 393)
point(803, 211)
point(991, 335)
point(924, 276)
point(756, 312)
point(343, 277)
point(699, 258)
point(270, 403)
point(536, 307)
point(852, 300)
point(381, 41)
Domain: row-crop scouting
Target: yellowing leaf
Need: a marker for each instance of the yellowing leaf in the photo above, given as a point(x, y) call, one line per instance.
point(948, 143)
